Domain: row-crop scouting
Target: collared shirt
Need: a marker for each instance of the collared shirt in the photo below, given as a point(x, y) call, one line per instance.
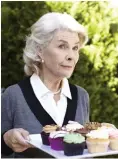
point(45, 96)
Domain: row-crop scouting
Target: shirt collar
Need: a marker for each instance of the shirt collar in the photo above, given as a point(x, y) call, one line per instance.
point(38, 86)
point(41, 89)
point(66, 89)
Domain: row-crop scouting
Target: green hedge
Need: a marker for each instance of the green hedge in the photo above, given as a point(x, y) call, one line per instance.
point(97, 69)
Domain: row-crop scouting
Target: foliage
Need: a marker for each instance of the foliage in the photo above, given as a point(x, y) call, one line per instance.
point(17, 17)
point(101, 70)
point(97, 69)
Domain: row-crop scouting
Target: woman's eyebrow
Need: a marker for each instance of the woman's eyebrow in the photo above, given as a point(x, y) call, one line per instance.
point(67, 42)
point(77, 42)
point(62, 41)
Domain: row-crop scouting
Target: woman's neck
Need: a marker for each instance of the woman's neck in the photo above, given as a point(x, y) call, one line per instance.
point(51, 82)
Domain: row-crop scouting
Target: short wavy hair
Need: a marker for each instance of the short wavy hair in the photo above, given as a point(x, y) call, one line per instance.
point(42, 33)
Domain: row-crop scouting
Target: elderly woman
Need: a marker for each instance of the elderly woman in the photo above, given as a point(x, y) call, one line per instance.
point(45, 96)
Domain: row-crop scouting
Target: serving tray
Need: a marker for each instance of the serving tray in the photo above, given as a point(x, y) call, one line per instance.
point(35, 140)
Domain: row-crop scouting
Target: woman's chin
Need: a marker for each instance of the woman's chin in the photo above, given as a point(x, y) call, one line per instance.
point(66, 75)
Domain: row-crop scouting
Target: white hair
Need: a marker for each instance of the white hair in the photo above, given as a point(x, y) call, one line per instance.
point(42, 33)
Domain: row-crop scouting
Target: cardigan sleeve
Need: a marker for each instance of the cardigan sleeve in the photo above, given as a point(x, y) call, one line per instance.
point(6, 120)
point(83, 106)
point(87, 106)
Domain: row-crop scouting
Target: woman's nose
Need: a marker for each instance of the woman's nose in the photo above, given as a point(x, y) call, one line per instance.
point(70, 56)
point(69, 59)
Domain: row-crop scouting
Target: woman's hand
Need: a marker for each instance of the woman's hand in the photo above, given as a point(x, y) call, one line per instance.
point(15, 139)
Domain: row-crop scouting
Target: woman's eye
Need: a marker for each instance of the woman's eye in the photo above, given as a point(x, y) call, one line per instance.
point(62, 46)
point(75, 48)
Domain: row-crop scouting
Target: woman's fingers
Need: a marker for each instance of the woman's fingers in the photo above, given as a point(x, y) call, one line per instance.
point(16, 139)
point(24, 133)
point(19, 148)
point(20, 137)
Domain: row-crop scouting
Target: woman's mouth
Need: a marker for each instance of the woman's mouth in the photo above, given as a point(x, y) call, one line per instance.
point(67, 67)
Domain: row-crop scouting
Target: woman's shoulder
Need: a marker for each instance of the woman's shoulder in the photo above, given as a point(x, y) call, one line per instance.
point(82, 93)
point(10, 96)
point(15, 88)
point(12, 92)
point(81, 89)
point(11, 89)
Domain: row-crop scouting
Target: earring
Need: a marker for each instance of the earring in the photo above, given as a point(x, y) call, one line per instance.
point(42, 60)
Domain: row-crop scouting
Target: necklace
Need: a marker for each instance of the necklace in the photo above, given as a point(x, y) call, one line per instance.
point(57, 91)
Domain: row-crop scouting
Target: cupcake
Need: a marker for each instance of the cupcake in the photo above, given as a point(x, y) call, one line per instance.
point(46, 132)
point(56, 140)
point(108, 125)
point(83, 131)
point(97, 141)
point(92, 125)
point(113, 135)
point(105, 128)
point(73, 126)
point(74, 144)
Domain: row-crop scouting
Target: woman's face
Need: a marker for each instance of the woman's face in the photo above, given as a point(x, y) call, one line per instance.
point(62, 54)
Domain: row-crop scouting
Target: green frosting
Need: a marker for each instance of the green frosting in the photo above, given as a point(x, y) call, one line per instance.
point(74, 138)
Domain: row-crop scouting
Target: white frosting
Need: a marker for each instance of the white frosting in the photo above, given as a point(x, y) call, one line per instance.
point(108, 125)
point(73, 125)
point(105, 128)
point(72, 122)
point(98, 134)
point(56, 134)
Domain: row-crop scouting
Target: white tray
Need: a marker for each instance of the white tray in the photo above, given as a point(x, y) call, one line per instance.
point(36, 141)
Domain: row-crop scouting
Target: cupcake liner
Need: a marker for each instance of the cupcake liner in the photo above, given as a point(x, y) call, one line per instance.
point(71, 149)
point(113, 144)
point(84, 135)
point(56, 143)
point(45, 137)
point(96, 147)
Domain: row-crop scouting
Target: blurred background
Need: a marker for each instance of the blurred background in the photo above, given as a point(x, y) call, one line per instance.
point(97, 69)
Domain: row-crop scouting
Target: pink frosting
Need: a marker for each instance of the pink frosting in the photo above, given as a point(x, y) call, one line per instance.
point(113, 134)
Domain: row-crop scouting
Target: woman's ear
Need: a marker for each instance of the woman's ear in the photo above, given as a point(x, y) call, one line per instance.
point(40, 53)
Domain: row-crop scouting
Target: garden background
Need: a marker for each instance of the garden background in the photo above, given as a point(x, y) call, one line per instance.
point(97, 69)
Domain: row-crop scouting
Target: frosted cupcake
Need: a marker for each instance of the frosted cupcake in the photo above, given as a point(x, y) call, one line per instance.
point(46, 132)
point(72, 126)
point(105, 128)
point(56, 139)
point(92, 125)
point(82, 131)
point(97, 141)
point(74, 144)
point(113, 135)
point(108, 125)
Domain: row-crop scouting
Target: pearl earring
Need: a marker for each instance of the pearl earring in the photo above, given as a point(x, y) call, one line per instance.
point(42, 61)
